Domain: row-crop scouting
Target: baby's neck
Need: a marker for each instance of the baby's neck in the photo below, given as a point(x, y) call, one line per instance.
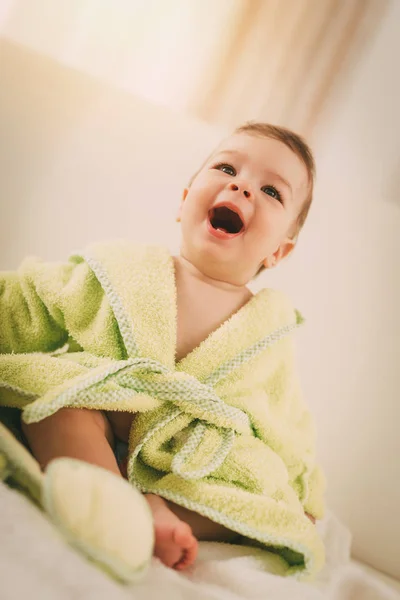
point(203, 304)
point(184, 269)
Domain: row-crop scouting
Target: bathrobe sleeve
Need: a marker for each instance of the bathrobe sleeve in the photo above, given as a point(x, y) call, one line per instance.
point(45, 305)
point(314, 503)
point(310, 481)
point(287, 426)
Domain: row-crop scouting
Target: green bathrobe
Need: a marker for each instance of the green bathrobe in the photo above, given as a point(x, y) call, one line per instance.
point(223, 432)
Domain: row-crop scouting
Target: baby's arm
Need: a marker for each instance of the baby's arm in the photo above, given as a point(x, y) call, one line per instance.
point(74, 433)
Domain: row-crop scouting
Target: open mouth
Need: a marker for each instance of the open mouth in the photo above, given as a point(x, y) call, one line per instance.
point(226, 220)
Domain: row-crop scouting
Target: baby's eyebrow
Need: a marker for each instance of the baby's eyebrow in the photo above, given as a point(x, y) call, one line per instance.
point(281, 179)
point(234, 152)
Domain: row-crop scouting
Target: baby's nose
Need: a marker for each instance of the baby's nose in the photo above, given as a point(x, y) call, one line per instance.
point(242, 188)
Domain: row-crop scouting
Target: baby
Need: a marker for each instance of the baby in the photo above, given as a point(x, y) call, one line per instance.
point(240, 214)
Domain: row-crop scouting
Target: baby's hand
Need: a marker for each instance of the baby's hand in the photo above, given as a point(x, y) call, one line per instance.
point(312, 519)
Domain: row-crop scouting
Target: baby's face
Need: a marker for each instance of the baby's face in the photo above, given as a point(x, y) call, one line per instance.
point(238, 213)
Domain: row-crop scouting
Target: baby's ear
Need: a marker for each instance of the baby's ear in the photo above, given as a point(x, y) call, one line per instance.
point(184, 194)
point(284, 249)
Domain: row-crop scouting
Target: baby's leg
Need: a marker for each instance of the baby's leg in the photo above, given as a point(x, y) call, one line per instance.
point(75, 433)
point(87, 435)
point(204, 529)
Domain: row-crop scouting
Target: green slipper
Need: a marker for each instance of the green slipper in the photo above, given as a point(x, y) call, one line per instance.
point(99, 513)
point(102, 515)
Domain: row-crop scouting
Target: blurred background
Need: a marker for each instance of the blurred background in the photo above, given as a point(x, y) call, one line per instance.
point(221, 61)
point(108, 107)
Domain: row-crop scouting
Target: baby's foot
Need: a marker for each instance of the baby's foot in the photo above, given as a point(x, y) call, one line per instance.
point(175, 544)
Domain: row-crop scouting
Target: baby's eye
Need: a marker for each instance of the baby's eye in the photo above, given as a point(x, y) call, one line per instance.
point(228, 169)
point(270, 190)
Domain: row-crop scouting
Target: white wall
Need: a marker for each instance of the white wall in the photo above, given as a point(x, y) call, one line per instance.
point(346, 278)
point(81, 160)
point(363, 153)
point(84, 161)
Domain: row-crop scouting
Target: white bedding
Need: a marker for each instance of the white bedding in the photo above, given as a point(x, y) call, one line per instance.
point(35, 563)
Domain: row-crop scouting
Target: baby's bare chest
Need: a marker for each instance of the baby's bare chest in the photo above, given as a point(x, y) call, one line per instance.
point(196, 320)
point(200, 313)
